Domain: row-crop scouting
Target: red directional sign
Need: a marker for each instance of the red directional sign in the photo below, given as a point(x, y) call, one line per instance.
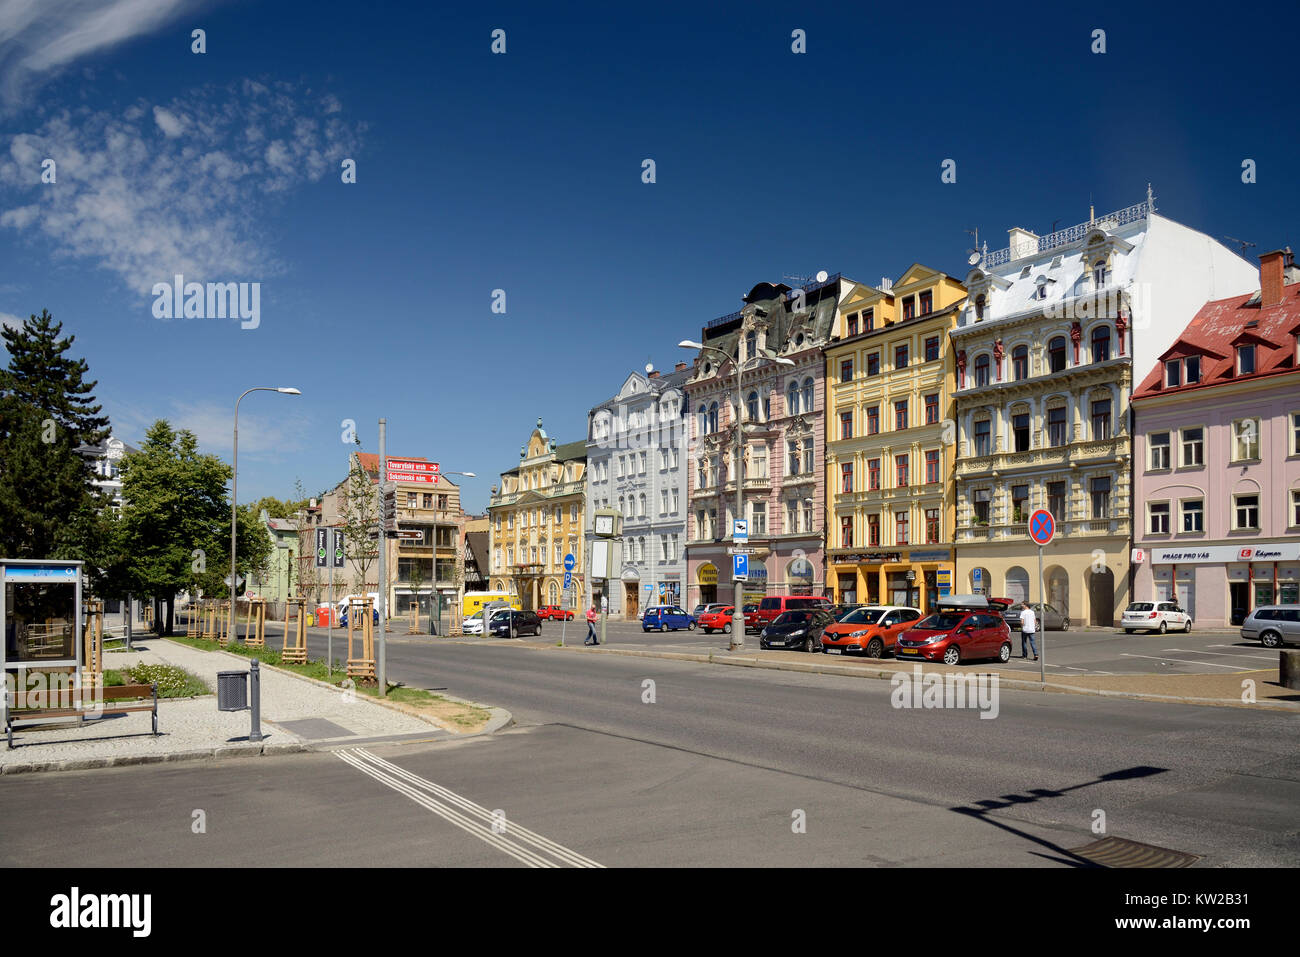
point(412, 470)
point(1042, 527)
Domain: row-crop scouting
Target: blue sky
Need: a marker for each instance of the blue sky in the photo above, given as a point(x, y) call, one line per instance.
point(522, 172)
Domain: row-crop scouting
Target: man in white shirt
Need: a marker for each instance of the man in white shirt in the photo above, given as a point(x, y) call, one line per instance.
point(1028, 626)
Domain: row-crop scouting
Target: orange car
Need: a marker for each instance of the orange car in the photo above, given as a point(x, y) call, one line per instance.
point(871, 630)
point(717, 620)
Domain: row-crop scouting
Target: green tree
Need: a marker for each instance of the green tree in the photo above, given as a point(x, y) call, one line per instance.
point(359, 513)
point(41, 374)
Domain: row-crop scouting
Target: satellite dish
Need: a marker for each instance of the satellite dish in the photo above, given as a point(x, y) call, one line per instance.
point(973, 258)
point(649, 367)
point(822, 275)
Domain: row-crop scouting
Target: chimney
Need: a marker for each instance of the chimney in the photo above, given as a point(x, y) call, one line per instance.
point(1271, 269)
point(654, 373)
point(1023, 243)
point(886, 284)
point(680, 367)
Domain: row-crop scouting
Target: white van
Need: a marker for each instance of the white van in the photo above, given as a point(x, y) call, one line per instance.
point(341, 605)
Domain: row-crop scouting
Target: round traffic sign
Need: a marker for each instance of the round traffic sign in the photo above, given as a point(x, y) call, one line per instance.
point(569, 562)
point(1042, 527)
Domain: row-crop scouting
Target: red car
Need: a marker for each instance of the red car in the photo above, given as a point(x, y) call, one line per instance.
point(965, 627)
point(554, 612)
point(718, 620)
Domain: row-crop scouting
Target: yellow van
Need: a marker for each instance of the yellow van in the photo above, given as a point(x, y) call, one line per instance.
point(474, 600)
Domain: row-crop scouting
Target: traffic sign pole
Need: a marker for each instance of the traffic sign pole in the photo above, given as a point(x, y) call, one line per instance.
point(1042, 632)
point(1042, 529)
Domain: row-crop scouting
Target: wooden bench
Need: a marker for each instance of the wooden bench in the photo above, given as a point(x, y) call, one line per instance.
point(126, 694)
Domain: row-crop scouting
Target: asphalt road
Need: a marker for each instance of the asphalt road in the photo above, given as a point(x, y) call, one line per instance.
point(716, 767)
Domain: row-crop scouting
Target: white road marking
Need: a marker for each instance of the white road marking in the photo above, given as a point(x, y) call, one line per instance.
point(543, 853)
point(1186, 661)
point(1221, 654)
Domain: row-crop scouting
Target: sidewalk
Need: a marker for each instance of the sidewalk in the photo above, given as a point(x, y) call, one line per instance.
point(1223, 690)
point(297, 715)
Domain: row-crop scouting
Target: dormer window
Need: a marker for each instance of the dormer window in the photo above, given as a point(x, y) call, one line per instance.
point(1056, 263)
point(868, 320)
point(979, 307)
point(853, 325)
point(909, 308)
point(751, 345)
point(1192, 369)
point(1245, 360)
point(1099, 275)
point(1024, 273)
point(927, 303)
point(1041, 291)
point(1173, 374)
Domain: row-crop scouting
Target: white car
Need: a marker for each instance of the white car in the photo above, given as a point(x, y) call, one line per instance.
point(473, 624)
point(1161, 616)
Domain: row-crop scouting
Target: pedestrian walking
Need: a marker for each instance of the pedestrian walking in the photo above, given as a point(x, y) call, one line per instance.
point(1028, 627)
point(591, 627)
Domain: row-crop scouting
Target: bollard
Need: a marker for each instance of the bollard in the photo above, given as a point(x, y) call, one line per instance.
point(255, 701)
point(1288, 669)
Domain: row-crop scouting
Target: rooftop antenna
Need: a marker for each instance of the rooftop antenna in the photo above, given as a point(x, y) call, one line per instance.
point(1240, 242)
point(973, 254)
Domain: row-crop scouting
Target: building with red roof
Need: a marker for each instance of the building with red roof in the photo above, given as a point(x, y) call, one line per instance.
point(1217, 456)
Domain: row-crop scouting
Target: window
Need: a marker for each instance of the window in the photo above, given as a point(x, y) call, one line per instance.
point(1192, 369)
point(792, 448)
point(900, 528)
point(792, 398)
point(1295, 508)
point(809, 456)
point(1100, 489)
point(1101, 419)
point(1193, 514)
point(1020, 503)
point(873, 475)
point(873, 530)
point(751, 345)
point(982, 445)
point(979, 307)
point(1099, 276)
point(846, 370)
point(1245, 511)
point(1020, 431)
point(641, 502)
point(759, 462)
point(791, 516)
point(1158, 518)
point(932, 530)
point(1056, 427)
point(982, 371)
point(1245, 360)
point(808, 394)
point(1159, 455)
point(853, 325)
point(1041, 291)
point(900, 471)
point(846, 425)
point(873, 420)
point(982, 498)
point(703, 478)
point(751, 406)
point(932, 466)
point(900, 356)
point(1173, 373)
point(663, 501)
point(1245, 440)
point(1056, 500)
point(808, 515)
point(846, 477)
point(931, 348)
point(758, 518)
point(900, 414)
point(1295, 433)
point(1100, 343)
point(909, 308)
point(873, 364)
point(1020, 362)
point(868, 320)
point(1193, 447)
point(932, 409)
point(846, 531)
point(1056, 354)
point(927, 303)
point(713, 417)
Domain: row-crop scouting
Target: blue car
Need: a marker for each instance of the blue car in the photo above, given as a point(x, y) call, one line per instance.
point(343, 617)
point(666, 618)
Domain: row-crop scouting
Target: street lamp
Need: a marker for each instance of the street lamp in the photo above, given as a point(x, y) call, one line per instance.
point(738, 611)
point(234, 496)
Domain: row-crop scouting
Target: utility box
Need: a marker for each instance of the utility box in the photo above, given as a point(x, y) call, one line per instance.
point(232, 690)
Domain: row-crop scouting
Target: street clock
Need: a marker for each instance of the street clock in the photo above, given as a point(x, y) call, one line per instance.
point(604, 524)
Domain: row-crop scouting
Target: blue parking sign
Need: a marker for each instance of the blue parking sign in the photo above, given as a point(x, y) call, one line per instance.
point(740, 568)
point(568, 579)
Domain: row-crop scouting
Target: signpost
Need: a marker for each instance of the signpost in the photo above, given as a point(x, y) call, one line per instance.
point(740, 568)
point(569, 563)
point(329, 554)
point(411, 470)
point(1042, 529)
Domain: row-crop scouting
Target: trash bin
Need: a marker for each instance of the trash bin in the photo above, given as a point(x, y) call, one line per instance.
point(311, 620)
point(323, 616)
point(232, 690)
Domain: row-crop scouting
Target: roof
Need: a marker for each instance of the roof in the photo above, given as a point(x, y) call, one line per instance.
point(656, 385)
point(1216, 330)
point(816, 319)
point(282, 524)
point(571, 450)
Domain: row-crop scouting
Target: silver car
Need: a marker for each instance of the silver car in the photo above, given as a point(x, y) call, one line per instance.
point(1049, 618)
point(1272, 625)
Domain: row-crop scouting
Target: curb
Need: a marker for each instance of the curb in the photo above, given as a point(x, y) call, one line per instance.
point(193, 754)
point(888, 675)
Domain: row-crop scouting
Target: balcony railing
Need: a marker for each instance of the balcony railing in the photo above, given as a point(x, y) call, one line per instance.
point(1059, 456)
point(1071, 234)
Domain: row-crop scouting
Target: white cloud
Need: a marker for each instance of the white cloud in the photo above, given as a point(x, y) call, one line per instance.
point(38, 38)
point(268, 433)
point(10, 321)
point(148, 192)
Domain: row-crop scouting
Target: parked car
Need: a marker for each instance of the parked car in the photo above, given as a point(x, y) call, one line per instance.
point(797, 629)
point(719, 620)
point(554, 613)
point(1272, 625)
point(867, 630)
point(773, 606)
point(839, 611)
point(472, 624)
point(750, 611)
point(515, 624)
point(965, 628)
point(1049, 617)
point(667, 618)
point(1161, 616)
point(701, 609)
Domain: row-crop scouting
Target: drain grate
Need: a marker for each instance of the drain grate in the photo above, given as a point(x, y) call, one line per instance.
point(1120, 852)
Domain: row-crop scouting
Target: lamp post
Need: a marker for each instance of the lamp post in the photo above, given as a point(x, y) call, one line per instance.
point(738, 609)
point(234, 496)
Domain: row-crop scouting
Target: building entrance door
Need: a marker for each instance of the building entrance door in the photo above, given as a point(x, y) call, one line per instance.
point(631, 597)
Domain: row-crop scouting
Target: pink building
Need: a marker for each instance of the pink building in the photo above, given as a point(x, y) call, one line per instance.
point(782, 411)
point(1216, 452)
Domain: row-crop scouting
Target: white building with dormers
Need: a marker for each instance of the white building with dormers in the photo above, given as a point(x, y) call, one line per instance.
point(637, 463)
point(1045, 352)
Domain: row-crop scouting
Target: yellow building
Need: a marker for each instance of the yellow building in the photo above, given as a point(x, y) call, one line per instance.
point(890, 442)
point(536, 517)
